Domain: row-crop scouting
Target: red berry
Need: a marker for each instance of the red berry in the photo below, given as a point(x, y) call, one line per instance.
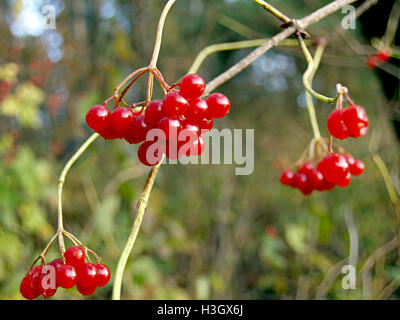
point(350, 159)
point(345, 182)
point(336, 126)
point(334, 167)
point(306, 167)
point(188, 130)
point(287, 178)
point(46, 288)
point(110, 134)
point(218, 105)
point(29, 287)
point(57, 263)
point(67, 276)
point(87, 275)
point(198, 109)
point(174, 105)
point(137, 131)
point(98, 118)
point(121, 118)
point(302, 183)
point(74, 256)
point(356, 120)
point(103, 275)
point(192, 86)
point(171, 127)
point(150, 153)
point(153, 112)
point(373, 62)
point(205, 125)
point(383, 55)
point(325, 185)
point(316, 179)
point(357, 168)
point(193, 147)
point(86, 291)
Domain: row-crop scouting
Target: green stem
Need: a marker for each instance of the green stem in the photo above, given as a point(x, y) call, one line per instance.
point(142, 205)
point(307, 74)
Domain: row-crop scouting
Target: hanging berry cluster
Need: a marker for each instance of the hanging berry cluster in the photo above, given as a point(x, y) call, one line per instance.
point(71, 271)
point(334, 168)
point(182, 117)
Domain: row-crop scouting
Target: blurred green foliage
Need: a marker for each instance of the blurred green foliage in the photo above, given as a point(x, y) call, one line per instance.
point(207, 233)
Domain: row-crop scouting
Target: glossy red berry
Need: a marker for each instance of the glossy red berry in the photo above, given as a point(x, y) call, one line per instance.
point(74, 256)
point(218, 105)
point(29, 287)
point(103, 275)
point(46, 287)
point(287, 178)
point(357, 168)
point(356, 120)
point(188, 130)
point(302, 183)
point(150, 153)
point(336, 126)
point(110, 134)
point(174, 105)
point(154, 113)
point(137, 131)
point(85, 291)
point(350, 159)
point(205, 125)
point(334, 167)
point(306, 167)
point(315, 178)
point(57, 263)
point(345, 182)
point(198, 109)
point(87, 275)
point(67, 276)
point(171, 127)
point(98, 118)
point(121, 118)
point(192, 86)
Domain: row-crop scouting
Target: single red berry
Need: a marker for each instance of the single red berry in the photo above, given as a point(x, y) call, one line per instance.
point(47, 287)
point(171, 127)
point(86, 291)
point(192, 86)
point(325, 185)
point(150, 153)
point(350, 160)
point(67, 276)
point(357, 168)
point(198, 109)
point(302, 183)
point(74, 256)
point(306, 167)
point(383, 55)
point(372, 62)
point(29, 287)
point(334, 167)
point(57, 263)
point(188, 130)
point(174, 105)
point(205, 125)
point(316, 179)
point(218, 105)
point(345, 182)
point(103, 275)
point(137, 131)
point(121, 119)
point(336, 126)
point(98, 118)
point(153, 113)
point(87, 275)
point(287, 178)
point(356, 120)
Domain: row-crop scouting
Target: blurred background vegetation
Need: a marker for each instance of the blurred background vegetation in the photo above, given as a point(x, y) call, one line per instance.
point(207, 233)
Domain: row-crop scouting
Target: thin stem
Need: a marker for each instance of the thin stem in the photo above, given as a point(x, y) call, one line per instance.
point(61, 181)
point(308, 73)
point(130, 85)
point(142, 205)
point(274, 11)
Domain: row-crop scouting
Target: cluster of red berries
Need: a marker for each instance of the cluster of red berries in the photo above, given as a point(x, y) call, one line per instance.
point(378, 58)
point(348, 122)
point(333, 169)
point(181, 117)
point(44, 280)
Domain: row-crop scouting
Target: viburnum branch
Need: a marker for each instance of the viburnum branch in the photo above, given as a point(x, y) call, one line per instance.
point(274, 11)
point(231, 46)
point(141, 208)
point(274, 41)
